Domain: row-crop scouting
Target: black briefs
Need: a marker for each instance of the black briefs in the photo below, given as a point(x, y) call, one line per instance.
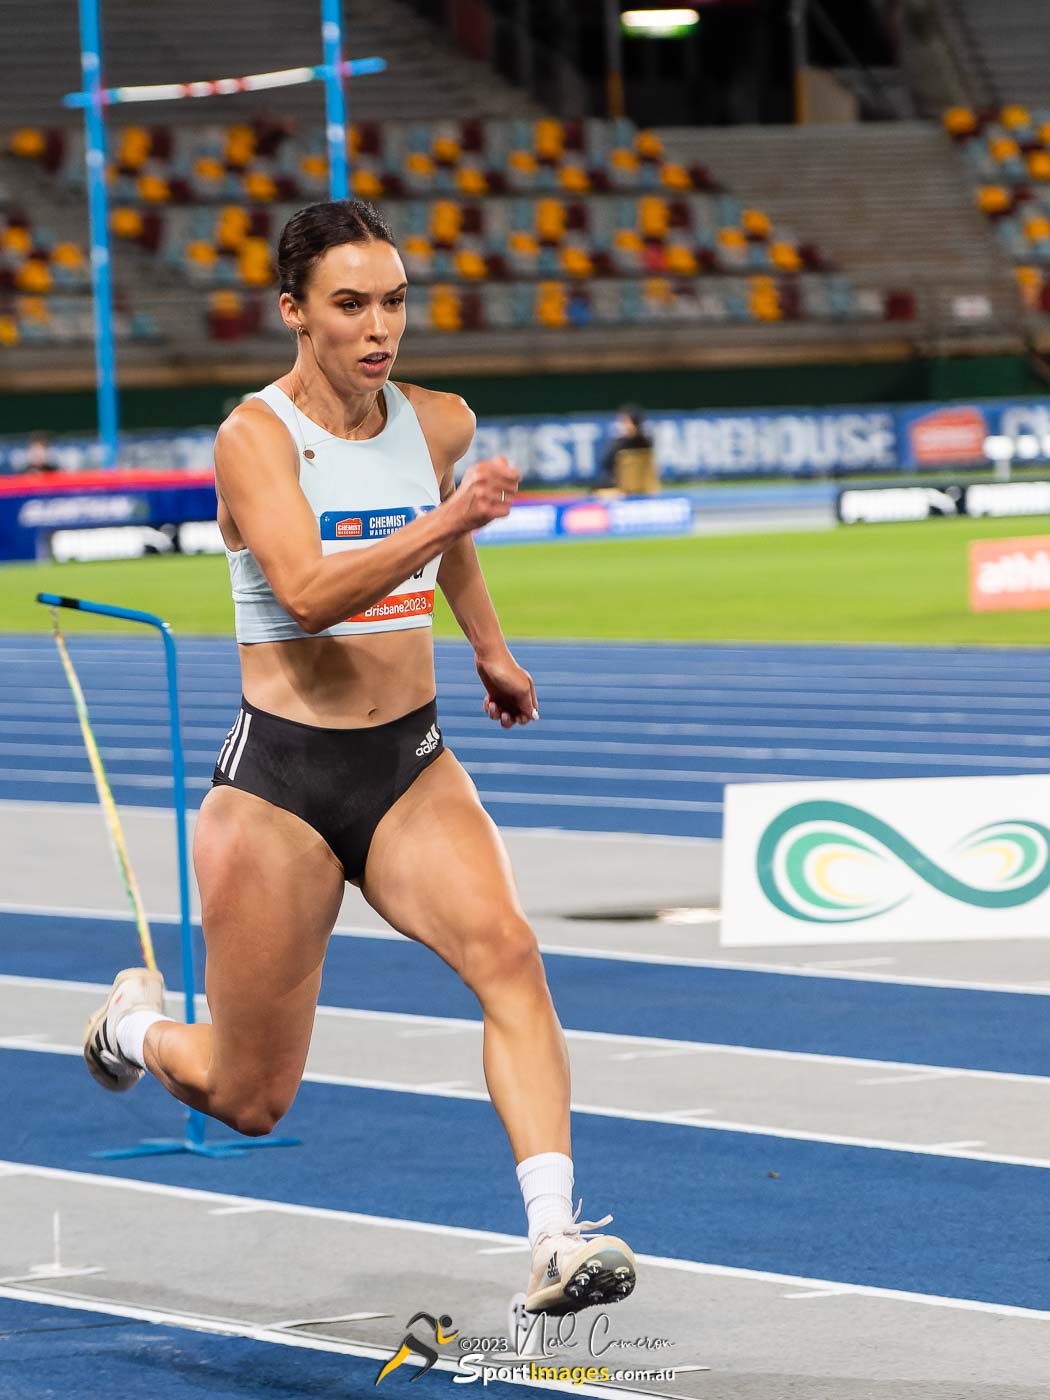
point(342, 782)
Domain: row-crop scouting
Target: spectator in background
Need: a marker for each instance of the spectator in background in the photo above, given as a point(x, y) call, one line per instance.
point(39, 457)
point(629, 464)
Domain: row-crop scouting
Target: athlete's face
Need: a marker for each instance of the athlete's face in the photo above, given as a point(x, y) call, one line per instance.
point(354, 312)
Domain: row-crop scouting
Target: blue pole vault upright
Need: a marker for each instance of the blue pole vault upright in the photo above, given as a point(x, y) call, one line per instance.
point(335, 100)
point(102, 292)
point(94, 98)
point(194, 1140)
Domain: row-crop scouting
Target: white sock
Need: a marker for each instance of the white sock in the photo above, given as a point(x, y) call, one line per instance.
point(131, 1034)
point(546, 1185)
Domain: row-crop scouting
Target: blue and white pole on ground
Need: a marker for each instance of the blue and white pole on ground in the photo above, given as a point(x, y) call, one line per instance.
point(95, 157)
point(335, 99)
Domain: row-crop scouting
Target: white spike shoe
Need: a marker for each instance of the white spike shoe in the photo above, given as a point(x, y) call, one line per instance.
point(570, 1272)
point(134, 989)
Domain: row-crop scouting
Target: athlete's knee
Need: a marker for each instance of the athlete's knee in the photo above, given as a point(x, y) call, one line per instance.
point(252, 1112)
point(504, 951)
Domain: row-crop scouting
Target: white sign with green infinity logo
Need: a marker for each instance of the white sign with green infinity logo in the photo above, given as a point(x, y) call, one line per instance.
point(909, 859)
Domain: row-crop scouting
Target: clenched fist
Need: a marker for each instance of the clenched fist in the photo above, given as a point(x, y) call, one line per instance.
point(486, 492)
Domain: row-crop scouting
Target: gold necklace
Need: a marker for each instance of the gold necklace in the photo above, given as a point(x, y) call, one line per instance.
point(368, 410)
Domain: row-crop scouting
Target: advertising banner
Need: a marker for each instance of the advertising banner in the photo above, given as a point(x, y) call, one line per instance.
point(1010, 574)
point(894, 860)
point(690, 444)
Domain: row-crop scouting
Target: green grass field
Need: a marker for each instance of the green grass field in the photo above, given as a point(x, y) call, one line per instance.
point(879, 583)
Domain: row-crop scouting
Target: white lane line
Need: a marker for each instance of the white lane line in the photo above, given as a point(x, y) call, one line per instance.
point(452, 1024)
point(489, 1237)
point(679, 1118)
point(572, 950)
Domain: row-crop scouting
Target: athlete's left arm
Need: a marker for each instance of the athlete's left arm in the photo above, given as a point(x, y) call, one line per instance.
point(510, 696)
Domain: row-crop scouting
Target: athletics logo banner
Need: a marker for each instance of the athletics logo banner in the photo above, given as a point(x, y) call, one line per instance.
point(898, 860)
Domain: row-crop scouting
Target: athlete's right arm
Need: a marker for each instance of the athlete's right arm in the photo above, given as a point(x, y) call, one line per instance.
point(255, 468)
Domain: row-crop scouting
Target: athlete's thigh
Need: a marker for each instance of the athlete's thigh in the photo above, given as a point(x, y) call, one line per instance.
point(437, 868)
point(271, 890)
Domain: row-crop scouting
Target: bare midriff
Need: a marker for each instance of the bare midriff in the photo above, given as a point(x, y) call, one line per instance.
point(341, 682)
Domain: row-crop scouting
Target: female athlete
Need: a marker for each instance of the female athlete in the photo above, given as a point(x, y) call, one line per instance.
point(340, 512)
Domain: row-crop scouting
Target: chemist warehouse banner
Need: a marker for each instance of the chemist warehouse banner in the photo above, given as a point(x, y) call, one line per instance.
point(763, 442)
point(769, 442)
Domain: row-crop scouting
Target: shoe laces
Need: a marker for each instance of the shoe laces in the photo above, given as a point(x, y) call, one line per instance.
point(578, 1228)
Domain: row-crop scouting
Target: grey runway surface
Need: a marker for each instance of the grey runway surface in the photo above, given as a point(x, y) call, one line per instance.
point(187, 1255)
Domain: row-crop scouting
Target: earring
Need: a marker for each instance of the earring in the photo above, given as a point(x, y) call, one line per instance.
point(299, 330)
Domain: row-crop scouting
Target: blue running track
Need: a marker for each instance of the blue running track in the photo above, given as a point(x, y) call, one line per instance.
point(633, 738)
point(964, 1029)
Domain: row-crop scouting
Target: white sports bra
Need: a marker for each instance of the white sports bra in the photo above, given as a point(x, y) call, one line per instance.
point(360, 492)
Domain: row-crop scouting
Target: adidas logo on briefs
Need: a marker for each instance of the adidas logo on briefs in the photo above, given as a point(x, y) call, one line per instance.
point(431, 739)
point(552, 1267)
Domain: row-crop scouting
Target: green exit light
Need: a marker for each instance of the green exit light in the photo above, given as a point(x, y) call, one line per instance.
point(658, 24)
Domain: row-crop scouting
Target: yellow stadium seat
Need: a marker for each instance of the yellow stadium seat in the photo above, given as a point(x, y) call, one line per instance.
point(522, 162)
point(446, 221)
point(33, 276)
point(550, 220)
point(260, 187)
point(658, 291)
point(649, 146)
point(549, 139)
point(731, 238)
point(16, 239)
point(232, 228)
point(994, 199)
point(1038, 163)
point(681, 260)
point(133, 150)
point(202, 253)
point(29, 143)
point(208, 168)
point(764, 300)
point(126, 223)
point(524, 243)
point(960, 121)
point(9, 331)
point(253, 263)
point(628, 240)
point(675, 176)
point(1015, 117)
point(225, 301)
point(471, 180)
point(757, 223)
point(67, 255)
point(445, 309)
point(1037, 228)
point(417, 245)
point(240, 145)
point(785, 256)
point(33, 309)
point(552, 304)
point(624, 160)
point(1004, 148)
point(1044, 133)
point(314, 166)
point(419, 163)
point(154, 189)
point(654, 216)
point(574, 179)
point(577, 262)
point(367, 184)
point(446, 150)
point(1030, 285)
point(470, 265)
